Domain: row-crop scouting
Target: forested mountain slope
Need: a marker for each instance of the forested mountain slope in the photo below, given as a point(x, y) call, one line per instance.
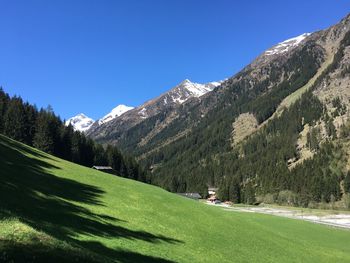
point(297, 152)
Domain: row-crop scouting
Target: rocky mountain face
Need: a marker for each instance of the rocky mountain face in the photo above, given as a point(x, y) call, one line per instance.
point(164, 104)
point(274, 129)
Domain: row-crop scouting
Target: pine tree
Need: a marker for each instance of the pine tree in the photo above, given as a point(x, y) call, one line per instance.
point(100, 155)
point(88, 152)
point(249, 194)
point(30, 122)
point(65, 148)
point(47, 136)
point(76, 147)
point(347, 182)
point(115, 160)
point(235, 192)
point(15, 121)
point(43, 139)
point(313, 138)
point(4, 100)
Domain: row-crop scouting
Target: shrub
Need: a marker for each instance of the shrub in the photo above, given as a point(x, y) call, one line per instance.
point(287, 197)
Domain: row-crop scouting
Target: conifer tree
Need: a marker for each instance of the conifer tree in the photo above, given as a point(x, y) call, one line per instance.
point(14, 120)
point(65, 146)
point(76, 147)
point(30, 122)
point(43, 138)
point(100, 157)
point(347, 182)
point(4, 100)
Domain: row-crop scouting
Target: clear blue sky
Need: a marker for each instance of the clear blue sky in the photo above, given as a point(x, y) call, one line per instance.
point(89, 56)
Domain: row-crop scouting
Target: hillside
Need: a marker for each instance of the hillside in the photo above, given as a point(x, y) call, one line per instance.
point(275, 126)
point(54, 209)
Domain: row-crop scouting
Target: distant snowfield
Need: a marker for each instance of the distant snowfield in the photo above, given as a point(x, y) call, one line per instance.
point(336, 219)
point(286, 45)
point(116, 112)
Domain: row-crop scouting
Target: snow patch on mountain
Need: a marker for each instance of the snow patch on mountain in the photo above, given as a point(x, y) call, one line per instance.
point(143, 113)
point(187, 89)
point(80, 122)
point(116, 112)
point(286, 45)
point(197, 89)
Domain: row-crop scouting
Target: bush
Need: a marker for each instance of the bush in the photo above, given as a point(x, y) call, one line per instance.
point(313, 205)
point(287, 197)
point(269, 199)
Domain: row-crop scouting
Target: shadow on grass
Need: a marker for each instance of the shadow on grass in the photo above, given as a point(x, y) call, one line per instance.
point(16, 252)
point(44, 201)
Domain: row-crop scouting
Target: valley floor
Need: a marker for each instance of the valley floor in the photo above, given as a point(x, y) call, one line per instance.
point(333, 218)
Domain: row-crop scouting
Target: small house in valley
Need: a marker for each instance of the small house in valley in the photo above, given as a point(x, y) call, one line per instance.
point(212, 191)
point(212, 195)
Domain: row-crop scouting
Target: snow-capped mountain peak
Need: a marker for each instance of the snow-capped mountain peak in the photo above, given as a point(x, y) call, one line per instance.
point(177, 95)
point(80, 122)
point(116, 112)
point(286, 45)
point(187, 89)
point(185, 81)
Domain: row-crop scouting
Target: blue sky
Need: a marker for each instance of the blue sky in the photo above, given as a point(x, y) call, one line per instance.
point(89, 56)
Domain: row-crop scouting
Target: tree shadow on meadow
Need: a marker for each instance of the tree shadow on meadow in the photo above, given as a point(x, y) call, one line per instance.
point(44, 201)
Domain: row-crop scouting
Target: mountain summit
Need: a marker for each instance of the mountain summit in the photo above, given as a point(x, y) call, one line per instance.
point(116, 112)
point(187, 89)
point(80, 122)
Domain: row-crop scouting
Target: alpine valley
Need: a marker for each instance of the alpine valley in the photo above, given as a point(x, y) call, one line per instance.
point(250, 168)
point(277, 129)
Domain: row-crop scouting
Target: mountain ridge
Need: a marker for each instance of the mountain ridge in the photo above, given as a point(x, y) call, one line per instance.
point(297, 102)
point(177, 95)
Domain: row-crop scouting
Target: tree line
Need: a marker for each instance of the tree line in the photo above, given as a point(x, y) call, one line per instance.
point(44, 130)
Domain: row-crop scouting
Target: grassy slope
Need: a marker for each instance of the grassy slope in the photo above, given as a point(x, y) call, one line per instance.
point(56, 208)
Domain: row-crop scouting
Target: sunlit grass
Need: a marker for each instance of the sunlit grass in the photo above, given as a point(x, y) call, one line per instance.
point(55, 207)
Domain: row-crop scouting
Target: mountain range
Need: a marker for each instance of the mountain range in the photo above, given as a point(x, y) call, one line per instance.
point(176, 96)
point(277, 125)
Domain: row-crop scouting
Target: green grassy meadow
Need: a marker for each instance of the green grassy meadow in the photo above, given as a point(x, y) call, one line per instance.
point(54, 210)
